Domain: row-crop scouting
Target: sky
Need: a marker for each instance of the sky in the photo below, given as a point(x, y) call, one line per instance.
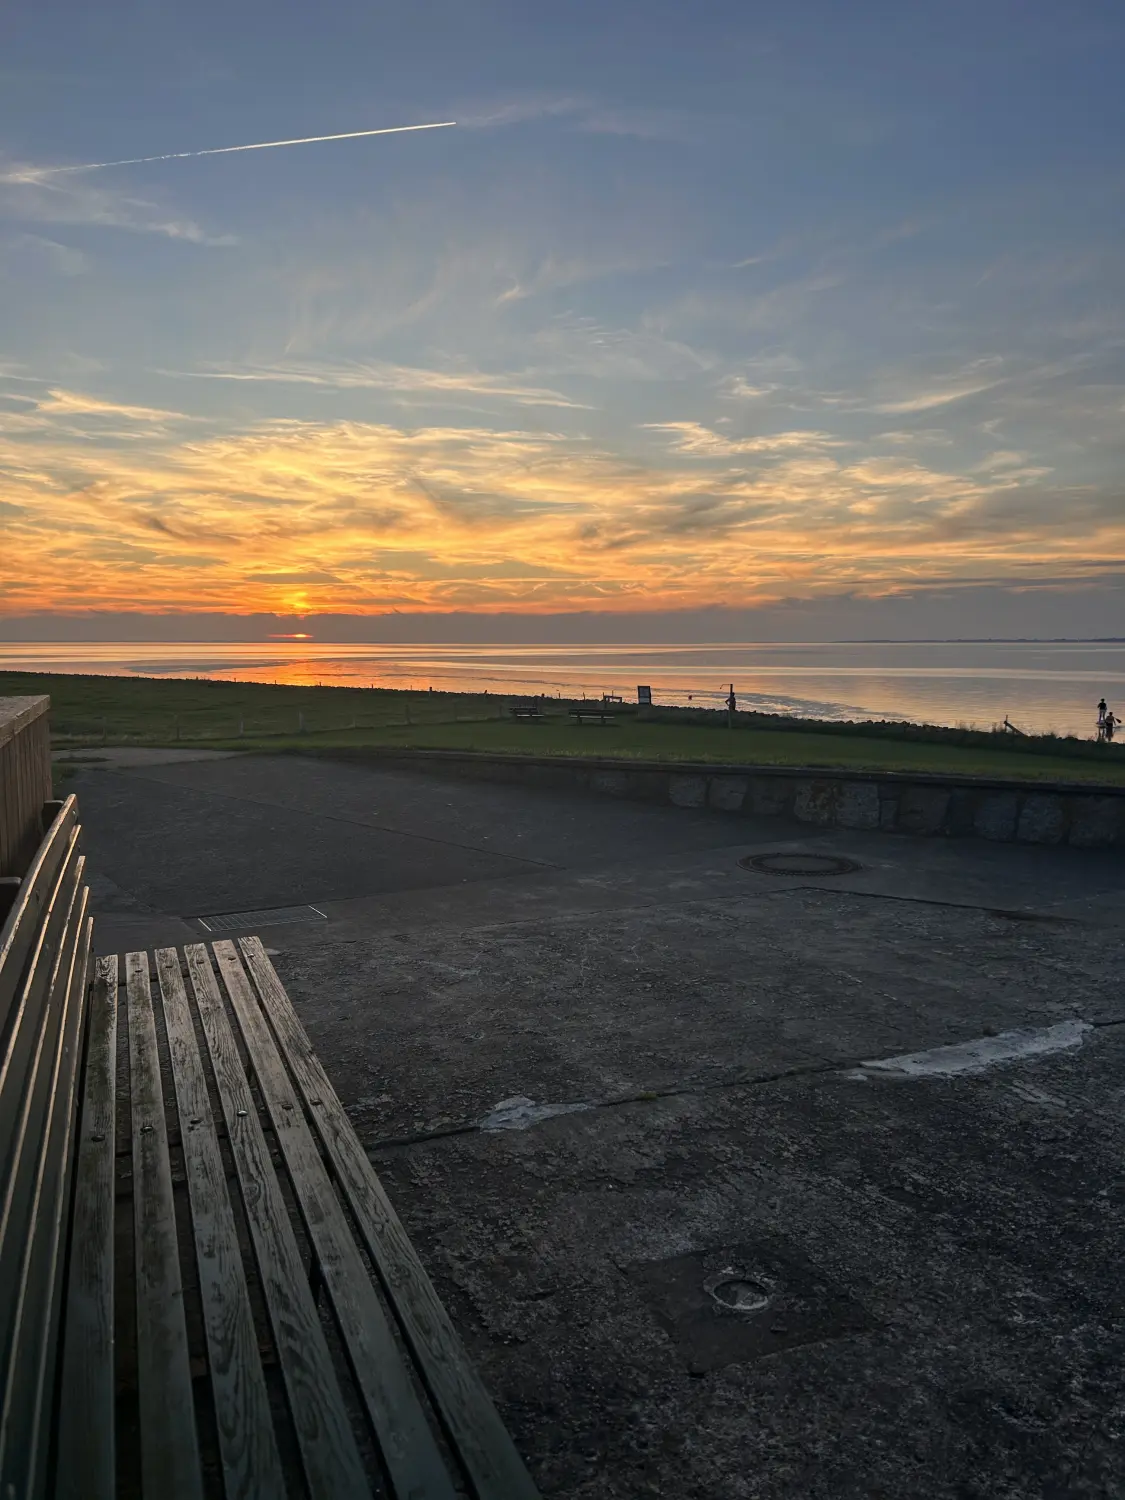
point(732, 311)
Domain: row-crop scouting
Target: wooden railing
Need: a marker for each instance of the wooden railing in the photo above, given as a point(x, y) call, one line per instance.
point(25, 781)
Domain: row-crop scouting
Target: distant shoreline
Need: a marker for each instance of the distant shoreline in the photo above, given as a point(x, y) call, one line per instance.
point(1039, 685)
point(278, 641)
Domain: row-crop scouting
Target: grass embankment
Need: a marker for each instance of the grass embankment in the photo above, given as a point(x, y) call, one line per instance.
point(90, 711)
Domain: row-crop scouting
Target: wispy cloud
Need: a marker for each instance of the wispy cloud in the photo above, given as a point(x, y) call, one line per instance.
point(932, 399)
point(399, 379)
point(27, 194)
point(360, 515)
point(596, 117)
point(63, 260)
point(912, 437)
point(694, 438)
point(585, 346)
point(64, 414)
point(73, 403)
point(738, 388)
point(16, 370)
point(555, 271)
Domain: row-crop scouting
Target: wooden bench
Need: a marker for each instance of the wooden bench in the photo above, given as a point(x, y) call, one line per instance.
point(192, 1222)
point(603, 712)
point(526, 708)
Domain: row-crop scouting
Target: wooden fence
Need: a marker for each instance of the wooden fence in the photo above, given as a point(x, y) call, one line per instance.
point(25, 780)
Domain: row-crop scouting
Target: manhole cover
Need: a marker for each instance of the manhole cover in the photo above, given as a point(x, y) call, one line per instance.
point(800, 864)
point(278, 916)
point(725, 1306)
point(739, 1293)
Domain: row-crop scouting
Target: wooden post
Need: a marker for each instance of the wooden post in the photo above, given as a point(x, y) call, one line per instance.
point(25, 779)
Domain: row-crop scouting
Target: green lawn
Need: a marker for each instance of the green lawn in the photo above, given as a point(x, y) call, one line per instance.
point(160, 711)
point(90, 711)
point(636, 740)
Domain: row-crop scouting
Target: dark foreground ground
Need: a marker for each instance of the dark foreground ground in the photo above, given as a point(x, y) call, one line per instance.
point(614, 1084)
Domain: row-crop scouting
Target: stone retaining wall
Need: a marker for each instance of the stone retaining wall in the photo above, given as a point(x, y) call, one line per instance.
point(1084, 816)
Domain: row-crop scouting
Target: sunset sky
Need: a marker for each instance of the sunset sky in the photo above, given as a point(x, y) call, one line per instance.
point(727, 304)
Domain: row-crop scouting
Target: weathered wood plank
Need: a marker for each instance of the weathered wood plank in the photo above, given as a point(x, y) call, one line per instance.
point(409, 1450)
point(332, 1464)
point(37, 1358)
point(170, 1465)
point(86, 1464)
point(32, 1243)
point(251, 1464)
point(24, 920)
point(494, 1468)
point(32, 1026)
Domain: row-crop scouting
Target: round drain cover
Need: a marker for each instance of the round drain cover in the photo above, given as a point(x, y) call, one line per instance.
point(741, 1294)
point(798, 863)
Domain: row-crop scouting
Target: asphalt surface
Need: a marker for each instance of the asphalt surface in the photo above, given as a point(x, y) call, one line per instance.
point(615, 1084)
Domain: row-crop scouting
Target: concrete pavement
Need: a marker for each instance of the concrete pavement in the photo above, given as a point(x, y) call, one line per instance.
point(613, 1083)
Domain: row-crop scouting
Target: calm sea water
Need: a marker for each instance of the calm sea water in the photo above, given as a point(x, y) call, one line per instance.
point(1037, 685)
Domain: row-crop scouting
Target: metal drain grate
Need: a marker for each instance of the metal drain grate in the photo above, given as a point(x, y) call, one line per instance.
point(798, 863)
point(277, 916)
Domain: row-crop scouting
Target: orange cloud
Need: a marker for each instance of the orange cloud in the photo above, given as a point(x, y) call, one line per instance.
point(296, 517)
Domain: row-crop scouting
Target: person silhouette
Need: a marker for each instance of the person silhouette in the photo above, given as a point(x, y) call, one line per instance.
point(1101, 718)
point(1110, 725)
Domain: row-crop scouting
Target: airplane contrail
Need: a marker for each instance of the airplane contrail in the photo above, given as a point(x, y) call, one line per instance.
point(305, 140)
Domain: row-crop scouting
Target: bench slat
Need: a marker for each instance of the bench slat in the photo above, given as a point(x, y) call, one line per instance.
point(170, 1465)
point(21, 926)
point(331, 1460)
point(26, 1060)
point(494, 1467)
point(38, 1193)
point(251, 1463)
point(20, 1047)
point(406, 1440)
point(87, 1453)
point(48, 1243)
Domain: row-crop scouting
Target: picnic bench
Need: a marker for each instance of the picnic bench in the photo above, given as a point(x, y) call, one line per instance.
point(204, 1289)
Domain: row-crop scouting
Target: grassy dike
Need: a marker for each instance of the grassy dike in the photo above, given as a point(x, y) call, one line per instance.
point(88, 712)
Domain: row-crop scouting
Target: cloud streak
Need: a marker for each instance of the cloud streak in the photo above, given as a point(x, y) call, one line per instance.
point(397, 379)
point(358, 516)
point(37, 174)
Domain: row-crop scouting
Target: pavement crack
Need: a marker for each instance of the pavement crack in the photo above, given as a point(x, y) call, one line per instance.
point(842, 1066)
point(616, 1101)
